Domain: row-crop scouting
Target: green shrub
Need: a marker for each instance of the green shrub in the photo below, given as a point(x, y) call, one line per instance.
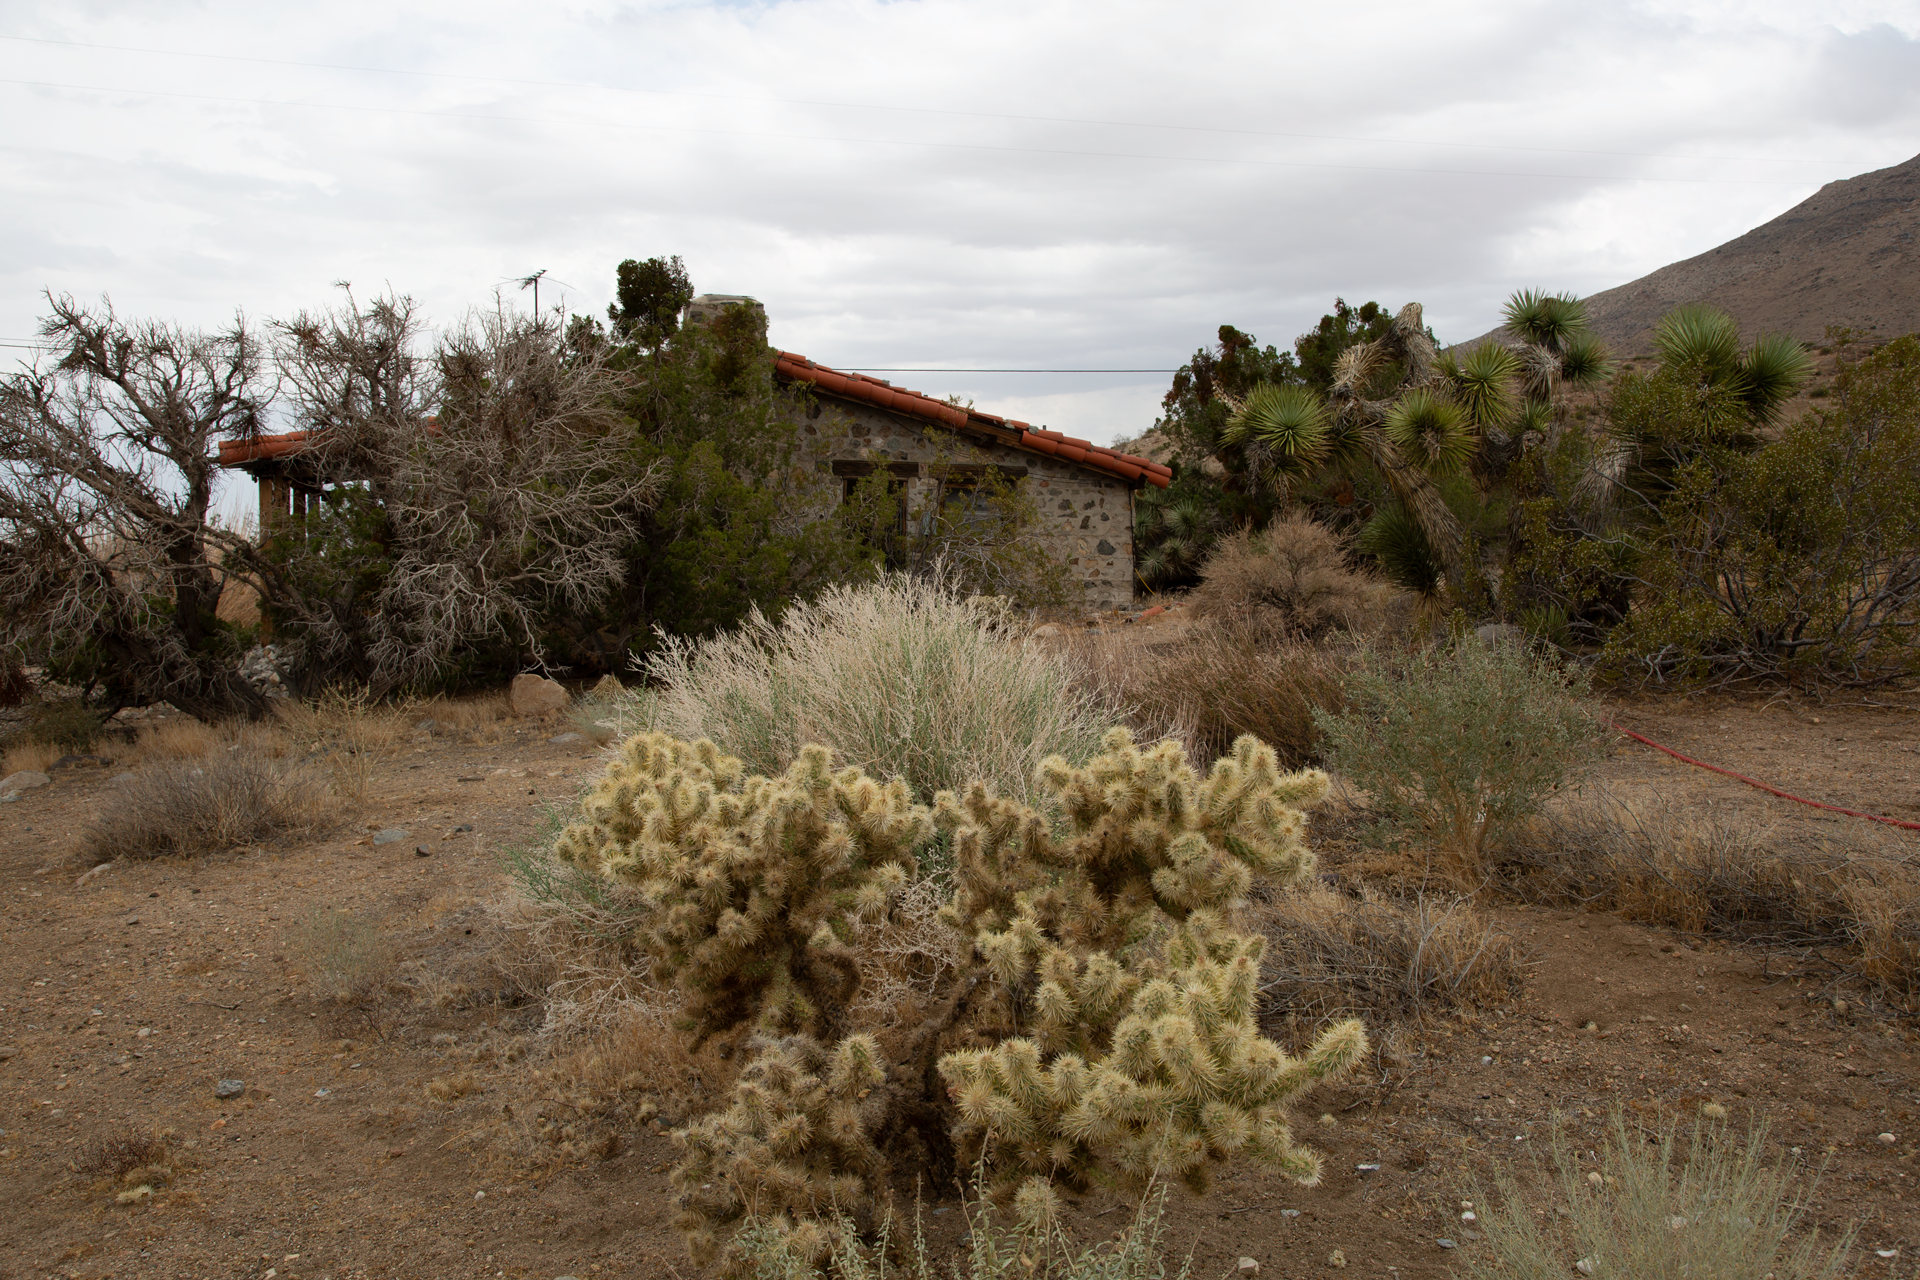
point(70, 723)
point(901, 677)
point(1722, 1214)
point(1798, 561)
point(1456, 744)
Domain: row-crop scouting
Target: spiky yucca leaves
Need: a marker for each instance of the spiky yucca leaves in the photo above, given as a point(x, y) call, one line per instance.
point(1706, 340)
point(1483, 382)
point(1188, 1081)
point(1543, 319)
point(756, 884)
point(1286, 429)
point(795, 1150)
point(1433, 433)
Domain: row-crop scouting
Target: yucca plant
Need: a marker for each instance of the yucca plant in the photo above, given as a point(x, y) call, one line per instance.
point(1286, 431)
point(1433, 433)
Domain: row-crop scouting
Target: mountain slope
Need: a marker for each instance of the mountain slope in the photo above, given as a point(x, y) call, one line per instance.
point(1848, 255)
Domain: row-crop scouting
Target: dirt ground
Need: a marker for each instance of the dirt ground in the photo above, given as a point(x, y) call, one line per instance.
point(127, 994)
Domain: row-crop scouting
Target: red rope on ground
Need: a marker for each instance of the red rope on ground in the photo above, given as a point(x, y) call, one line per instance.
point(1766, 787)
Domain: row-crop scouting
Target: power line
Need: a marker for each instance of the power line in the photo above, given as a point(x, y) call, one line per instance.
point(862, 368)
point(872, 106)
point(895, 142)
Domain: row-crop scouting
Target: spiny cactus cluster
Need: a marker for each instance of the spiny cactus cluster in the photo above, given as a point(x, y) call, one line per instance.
point(757, 884)
point(1105, 1022)
point(794, 1149)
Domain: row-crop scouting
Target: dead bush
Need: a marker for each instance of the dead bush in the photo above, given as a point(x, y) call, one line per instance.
point(1219, 680)
point(69, 724)
point(1290, 579)
point(182, 807)
point(1332, 955)
point(1701, 873)
point(134, 1161)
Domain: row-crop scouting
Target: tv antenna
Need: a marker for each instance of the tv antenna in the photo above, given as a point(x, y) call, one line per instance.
point(533, 282)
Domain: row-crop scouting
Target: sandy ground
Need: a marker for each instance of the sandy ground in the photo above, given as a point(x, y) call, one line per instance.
point(127, 995)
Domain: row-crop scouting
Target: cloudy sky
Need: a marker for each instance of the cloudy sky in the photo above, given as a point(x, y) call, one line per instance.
point(962, 184)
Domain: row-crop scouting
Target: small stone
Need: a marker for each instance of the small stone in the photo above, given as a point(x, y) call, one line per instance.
point(390, 836)
point(421, 851)
point(25, 780)
point(465, 826)
point(1584, 1266)
point(1247, 1267)
point(531, 695)
point(229, 1088)
point(1469, 1216)
point(565, 739)
point(1887, 1139)
point(8, 1051)
point(1289, 1213)
point(1445, 1243)
point(1337, 1260)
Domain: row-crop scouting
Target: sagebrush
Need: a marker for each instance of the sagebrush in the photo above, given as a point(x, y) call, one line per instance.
point(1456, 744)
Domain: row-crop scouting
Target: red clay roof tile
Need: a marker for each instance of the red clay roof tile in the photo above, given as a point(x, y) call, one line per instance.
point(853, 386)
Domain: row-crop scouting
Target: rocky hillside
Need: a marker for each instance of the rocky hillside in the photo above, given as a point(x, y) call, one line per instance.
point(1847, 255)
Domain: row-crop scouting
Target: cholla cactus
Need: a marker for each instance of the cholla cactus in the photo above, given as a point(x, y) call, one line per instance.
point(757, 884)
point(1188, 1081)
point(1106, 1014)
point(1129, 1062)
point(795, 1149)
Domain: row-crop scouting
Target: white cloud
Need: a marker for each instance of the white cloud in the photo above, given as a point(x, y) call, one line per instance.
point(963, 205)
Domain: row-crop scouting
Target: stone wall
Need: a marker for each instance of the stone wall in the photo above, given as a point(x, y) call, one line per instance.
point(1086, 516)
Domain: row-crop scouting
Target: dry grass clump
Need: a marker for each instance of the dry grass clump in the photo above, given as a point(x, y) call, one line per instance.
point(1216, 681)
point(1333, 955)
point(1649, 861)
point(903, 958)
point(344, 954)
point(350, 729)
point(180, 807)
point(901, 678)
point(177, 738)
point(1290, 579)
point(135, 1162)
point(457, 715)
point(35, 756)
point(1637, 1208)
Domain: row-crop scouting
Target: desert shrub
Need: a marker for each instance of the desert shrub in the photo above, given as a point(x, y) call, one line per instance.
point(136, 1162)
point(1029, 1249)
point(1706, 874)
point(1332, 955)
point(69, 724)
point(350, 728)
point(1101, 1024)
point(901, 678)
point(1217, 681)
point(1641, 1211)
point(1457, 744)
point(342, 952)
point(1797, 561)
point(177, 738)
point(229, 799)
point(1290, 579)
point(28, 755)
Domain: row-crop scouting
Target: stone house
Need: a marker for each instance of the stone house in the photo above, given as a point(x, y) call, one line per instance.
point(936, 450)
point(933, 450)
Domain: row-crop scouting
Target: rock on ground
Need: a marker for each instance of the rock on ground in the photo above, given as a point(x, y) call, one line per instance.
point(532, 695)
point(25, 780)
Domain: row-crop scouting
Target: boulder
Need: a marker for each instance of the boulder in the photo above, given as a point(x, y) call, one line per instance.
point(1496, 633)
point(532, 695)
point(25, 780)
